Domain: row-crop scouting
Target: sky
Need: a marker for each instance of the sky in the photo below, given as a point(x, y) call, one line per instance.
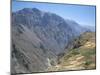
point(82, 14)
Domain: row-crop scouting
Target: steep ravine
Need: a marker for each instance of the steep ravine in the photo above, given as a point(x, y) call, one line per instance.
point(81, 56)
point(39, 39)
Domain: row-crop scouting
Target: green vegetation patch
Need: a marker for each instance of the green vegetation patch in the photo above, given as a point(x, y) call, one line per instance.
point(88, 52)
point(72, 52)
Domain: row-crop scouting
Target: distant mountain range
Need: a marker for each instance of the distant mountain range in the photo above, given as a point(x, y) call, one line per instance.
point(38, 37)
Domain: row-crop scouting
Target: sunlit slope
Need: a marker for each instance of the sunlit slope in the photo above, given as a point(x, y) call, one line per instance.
point(81, 56)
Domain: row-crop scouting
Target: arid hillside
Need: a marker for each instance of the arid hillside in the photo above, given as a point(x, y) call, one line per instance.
point(80, 56)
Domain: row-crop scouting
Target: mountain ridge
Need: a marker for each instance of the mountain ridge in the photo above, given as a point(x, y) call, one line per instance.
point(37, 38)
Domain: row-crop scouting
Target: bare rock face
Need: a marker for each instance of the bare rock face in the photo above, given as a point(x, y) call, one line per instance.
point(37, 38)
point(27, 53)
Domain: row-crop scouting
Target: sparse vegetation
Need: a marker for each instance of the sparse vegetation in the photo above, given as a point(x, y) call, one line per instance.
point(39, 40)
point(80, 57)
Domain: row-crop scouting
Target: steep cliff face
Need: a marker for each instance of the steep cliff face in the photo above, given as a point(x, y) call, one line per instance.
point(37, 38)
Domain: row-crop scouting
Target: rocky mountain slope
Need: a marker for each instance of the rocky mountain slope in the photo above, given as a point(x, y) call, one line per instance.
point(38, 38)
point(81, 56)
